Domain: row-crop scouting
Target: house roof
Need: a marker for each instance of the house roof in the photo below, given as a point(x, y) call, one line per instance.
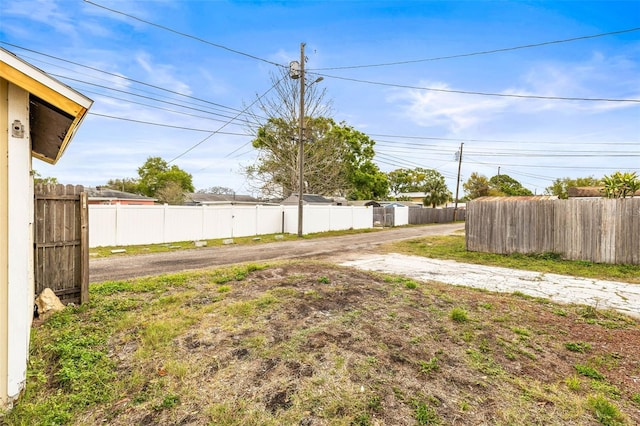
point(55, 109)
point(100, 193)
point(201, 198)
point(307, 199)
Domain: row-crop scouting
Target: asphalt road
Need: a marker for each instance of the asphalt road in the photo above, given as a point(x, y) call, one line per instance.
point(332, 248)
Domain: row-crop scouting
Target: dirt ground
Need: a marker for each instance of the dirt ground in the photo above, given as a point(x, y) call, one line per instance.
point(309, 343)
point(124, 266)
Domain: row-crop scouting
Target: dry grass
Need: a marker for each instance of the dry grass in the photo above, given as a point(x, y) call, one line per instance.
point(314, 344)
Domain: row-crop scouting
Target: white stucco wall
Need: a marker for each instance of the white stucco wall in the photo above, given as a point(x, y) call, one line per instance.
point(20, 235)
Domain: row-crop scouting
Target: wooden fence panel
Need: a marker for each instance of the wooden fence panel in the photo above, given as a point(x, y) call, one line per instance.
point(61, 236)
point(598, 230)
point(423, 215)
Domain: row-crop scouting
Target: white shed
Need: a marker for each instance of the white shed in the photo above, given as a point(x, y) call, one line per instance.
point(38, 117)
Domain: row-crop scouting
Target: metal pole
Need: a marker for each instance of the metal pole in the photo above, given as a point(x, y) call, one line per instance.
point(455, 207)
point(301, 143)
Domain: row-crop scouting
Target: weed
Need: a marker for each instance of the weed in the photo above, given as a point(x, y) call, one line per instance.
point(424, 414)
point(374, 403)
point(521, 331)
point(168, 402)
point(636, 398)
point(581, 347)
point(587, 371)
point(361, 419)
point(606, 413)
point(560, 312)
point(324, 280)
point(573, 383)
point(458, 315)
point(410, 284)
point(224, 289)
point(427, 367)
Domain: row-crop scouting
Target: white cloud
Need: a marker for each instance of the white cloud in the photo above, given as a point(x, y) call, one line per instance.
point(162, 75)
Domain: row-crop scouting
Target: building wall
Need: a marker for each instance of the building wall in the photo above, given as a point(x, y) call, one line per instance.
point(16, 221)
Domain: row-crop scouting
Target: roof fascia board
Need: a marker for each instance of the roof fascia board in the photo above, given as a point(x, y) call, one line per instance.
point(42, 85)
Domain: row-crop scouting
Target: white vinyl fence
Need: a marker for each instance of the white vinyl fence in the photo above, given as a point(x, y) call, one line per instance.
point(122, 225)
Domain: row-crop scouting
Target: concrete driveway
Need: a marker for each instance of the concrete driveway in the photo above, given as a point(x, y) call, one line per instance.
point(622, 297)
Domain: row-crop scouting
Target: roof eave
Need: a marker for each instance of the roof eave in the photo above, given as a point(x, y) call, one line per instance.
point(40, 84)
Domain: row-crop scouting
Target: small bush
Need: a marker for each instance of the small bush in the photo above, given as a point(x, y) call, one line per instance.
point(458, 315)
point(606, 413)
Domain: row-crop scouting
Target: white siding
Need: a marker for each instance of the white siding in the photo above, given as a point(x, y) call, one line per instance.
point(20, 236)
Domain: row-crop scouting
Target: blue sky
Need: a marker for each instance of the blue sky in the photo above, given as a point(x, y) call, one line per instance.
point(381, 62)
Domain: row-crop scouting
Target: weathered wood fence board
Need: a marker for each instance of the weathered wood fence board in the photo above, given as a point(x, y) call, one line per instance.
point(598, 230)
point(61, 236)
point(418, 216)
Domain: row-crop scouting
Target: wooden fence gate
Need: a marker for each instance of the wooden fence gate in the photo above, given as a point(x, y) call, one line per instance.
point(61, 242)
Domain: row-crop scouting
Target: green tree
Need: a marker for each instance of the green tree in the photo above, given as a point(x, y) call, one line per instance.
point(436, 191)
point(338, 160)
point(621, 185)
point(412, 180)
point(560, 187)
point(364, 180)
point(477, 186)
point(399, 180)
point(276, 168)
point(156, 173)
point(125, 185)
point(508, 185)
point(38, 179)
point(171, 193)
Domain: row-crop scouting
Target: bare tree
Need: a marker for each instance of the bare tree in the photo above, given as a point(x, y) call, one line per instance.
point(276, 126)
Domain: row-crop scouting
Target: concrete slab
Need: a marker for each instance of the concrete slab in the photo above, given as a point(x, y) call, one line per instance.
point(623, 297)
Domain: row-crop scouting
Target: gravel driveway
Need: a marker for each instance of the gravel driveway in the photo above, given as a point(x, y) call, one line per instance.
point(123, 267)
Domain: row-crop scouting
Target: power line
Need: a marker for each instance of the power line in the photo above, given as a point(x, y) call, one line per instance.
point(467, 92)
point(485, 52)
point(184, 34)
point(224, 125)
point(457, 140)
point(142, 96)
point(120, 76)
point(164, 125)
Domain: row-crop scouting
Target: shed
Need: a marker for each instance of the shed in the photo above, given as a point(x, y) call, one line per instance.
point(38, 117)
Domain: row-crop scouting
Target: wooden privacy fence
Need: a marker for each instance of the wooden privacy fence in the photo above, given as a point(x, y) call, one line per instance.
point(418, 216)
point(61, 242)
point(597, 230)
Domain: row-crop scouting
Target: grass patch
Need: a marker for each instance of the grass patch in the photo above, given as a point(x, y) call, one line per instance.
point(247, 346)
point(580, 347)
point(453, 247)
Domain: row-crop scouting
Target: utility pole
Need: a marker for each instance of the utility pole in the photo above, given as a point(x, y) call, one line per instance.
point(455, 207)
point(301, 143)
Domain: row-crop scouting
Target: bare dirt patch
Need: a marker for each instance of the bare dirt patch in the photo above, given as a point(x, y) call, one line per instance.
point(316, 344)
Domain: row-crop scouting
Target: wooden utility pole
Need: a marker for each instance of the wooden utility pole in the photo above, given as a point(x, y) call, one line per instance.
point(301, 144)
point(455, 207)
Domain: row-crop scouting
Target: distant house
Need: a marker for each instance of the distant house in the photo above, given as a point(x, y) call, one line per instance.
point(307, 199)
point(108, 196)
point(38, 117)
point(414, 197)
point(201, 199)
